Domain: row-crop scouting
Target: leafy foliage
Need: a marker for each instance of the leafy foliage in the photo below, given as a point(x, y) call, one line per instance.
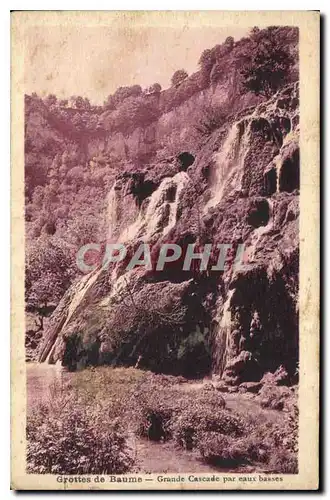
point(84, 426)
point(48, 275)
point(70, 436)
point(267, 64)
point(179, 76)
point(199, 420)
point(225, 451)
point(154, 89)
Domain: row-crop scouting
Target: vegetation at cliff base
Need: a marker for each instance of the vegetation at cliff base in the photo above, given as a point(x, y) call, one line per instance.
point(86, 426)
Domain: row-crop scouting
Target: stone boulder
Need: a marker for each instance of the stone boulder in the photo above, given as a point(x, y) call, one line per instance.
point(253, 387)
point(279, 377)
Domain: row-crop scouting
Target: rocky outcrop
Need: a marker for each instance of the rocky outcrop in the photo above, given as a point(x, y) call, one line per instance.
point(240, 186)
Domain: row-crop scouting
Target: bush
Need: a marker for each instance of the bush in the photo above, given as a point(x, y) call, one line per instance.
point(284, 462)
point(275, 446)
point(81, 430)
point(178, 77)
point(223, 437)
point(155, 403)
point(227, 451)
point(285, 436)
point(267, 63)
point(274, 397)
point(68, 436)
point(160, 407)
point(198, 418)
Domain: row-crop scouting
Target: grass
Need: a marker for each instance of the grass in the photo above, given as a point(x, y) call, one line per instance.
point(86, 425)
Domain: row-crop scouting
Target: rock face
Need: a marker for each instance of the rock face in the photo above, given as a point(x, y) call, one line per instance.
point(240, 187)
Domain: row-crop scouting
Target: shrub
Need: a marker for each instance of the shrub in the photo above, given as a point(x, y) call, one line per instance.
point(155, 424)
point(227, 451)
point(285, 436)
point(284, 462)
point(154, 404)
point(178, 77)
point(81, 429)
point(161, 409)
point(274, 397)
point(266, 64)
point(68, 437)
point(198, 418)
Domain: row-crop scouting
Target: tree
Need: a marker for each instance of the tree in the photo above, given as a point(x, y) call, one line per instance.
point(123, 93)
point(254, 31)
point(154, 89)
point(83, 229)
point(63, 103)
point(266, 64)
point(78, 122)
point(206, 62)
point(178, 77)
point(229, 43)
point(110, 103)
point(51, 100)
point(49, 273)
point(87, 104)
point(79, 102)
point(206, 58)
point(38, 196)
point(135, 112)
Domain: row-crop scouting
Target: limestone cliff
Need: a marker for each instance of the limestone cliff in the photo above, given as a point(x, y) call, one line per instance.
point(240, 184)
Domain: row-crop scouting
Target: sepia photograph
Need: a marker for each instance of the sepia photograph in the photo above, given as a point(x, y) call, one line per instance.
point(161, 324)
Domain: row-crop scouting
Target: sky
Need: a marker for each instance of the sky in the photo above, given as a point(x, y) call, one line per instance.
point(94, 61)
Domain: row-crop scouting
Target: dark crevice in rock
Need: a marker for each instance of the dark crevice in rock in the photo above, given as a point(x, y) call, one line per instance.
point(289, 174)
point(270, 181)
point(259, 214)
point(141, 188)
point(186, 159)
point(170, 194)
point(281, 126)
point(261, 126)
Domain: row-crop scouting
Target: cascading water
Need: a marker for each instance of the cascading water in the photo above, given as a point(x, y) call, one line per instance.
point(152, 220)
point(181, 181)
point(86, 282)
point(161, 214)
point(84, 285)
point(230, 162)
point(222, 335)
point(112, 217)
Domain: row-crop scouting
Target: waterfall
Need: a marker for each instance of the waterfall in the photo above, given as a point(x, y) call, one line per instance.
point(164, 196)
point(222, 335)
point(82, 287)
point(112, 208)
point(230, 162)
point(161, 214)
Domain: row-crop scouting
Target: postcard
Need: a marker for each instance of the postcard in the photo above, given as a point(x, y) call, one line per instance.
point(165, 250)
